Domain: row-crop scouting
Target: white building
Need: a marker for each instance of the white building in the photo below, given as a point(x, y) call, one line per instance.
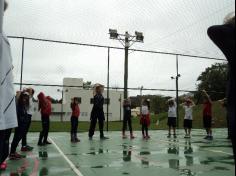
point(75, 89)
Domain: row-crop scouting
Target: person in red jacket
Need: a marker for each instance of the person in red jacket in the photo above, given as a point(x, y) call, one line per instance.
point(45, 107)
point(145, 120)
point(207, 115)
point(75, 119)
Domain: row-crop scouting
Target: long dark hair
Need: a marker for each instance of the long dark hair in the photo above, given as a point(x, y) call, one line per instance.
point(23, 100)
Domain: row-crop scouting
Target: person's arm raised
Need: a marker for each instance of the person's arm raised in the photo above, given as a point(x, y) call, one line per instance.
point(207, 95)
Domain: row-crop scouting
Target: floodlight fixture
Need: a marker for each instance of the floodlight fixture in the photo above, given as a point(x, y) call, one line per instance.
point(139, 36)
point(127, 41)
point(113, 34)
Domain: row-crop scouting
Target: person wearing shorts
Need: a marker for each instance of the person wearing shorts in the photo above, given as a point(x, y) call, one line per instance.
point(188, 118)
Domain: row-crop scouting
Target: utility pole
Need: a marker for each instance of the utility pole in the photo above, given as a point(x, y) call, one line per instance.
point(127, 41)
point(177, 88)
point(126, 76)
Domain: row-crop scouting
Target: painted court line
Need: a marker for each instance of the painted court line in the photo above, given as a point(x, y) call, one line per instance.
point(73, 167)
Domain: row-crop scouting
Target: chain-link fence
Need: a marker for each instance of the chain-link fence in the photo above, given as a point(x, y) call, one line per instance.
point(64, 70)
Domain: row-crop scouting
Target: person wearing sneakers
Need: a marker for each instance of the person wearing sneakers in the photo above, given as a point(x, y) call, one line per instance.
point(188, 118)
point(172, 117)
point(145, 119)
point(75, 119)
point(45, 107)
point(25, 147)
point(8, 116)
point(127, 119)
point(207, 115)
point(97, 112)
point(21, 130)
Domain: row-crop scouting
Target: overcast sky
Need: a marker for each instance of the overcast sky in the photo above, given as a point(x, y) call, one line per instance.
point(177, 26)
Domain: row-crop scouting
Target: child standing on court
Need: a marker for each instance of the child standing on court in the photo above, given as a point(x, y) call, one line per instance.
point(8, 117)
point(172, 117)
point(45, 108)
point(97, 112)
point(75, 119)
point(21, 130)
point(30, 111)
point(207, 115)
point(145, 118)
point(127, 119)
point(188, 118)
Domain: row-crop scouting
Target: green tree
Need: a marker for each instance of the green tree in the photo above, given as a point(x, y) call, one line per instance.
point(214, 81)
point(87, 85)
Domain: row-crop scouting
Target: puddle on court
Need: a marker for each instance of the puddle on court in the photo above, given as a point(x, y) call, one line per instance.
point(117, 157)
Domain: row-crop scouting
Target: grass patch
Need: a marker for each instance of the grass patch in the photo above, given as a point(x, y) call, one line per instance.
point(219, 115)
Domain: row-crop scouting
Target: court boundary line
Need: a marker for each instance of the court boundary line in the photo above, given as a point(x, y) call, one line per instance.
point(73, 167)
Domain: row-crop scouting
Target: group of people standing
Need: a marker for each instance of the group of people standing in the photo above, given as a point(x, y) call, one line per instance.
point(24, 110)
point(16, 112)
point(188, 105)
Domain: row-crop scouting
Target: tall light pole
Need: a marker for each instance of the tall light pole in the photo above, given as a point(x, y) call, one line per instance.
point(62, 95)
point(127, 41)
point(177, 95)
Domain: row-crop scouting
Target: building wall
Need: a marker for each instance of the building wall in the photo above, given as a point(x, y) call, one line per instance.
point(115, 106)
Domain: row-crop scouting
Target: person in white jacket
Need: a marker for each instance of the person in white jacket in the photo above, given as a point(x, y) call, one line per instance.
point(8, 117)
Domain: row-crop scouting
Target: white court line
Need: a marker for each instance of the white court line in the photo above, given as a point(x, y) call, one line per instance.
point(73, 167)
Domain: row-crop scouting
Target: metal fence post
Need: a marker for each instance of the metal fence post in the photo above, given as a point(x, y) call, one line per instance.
point(108, 87)
point(22, 63)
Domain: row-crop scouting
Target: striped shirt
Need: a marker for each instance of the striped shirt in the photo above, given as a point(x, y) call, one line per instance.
point(8, 117)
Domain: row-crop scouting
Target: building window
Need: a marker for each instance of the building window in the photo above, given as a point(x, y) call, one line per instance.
point(79, 99)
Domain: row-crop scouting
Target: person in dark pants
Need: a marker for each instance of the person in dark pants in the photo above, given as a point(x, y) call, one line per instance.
point(25, 147)
point(46, 109)
point(207, 115)
point(127, 119)
point(97, 112)
point(75, 120)
point(224, 37)
point(4, 147)
point(21, 130)
point(8, 115)
point(145, 120)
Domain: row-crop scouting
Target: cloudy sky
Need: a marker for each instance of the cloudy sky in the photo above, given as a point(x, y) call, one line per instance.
point(177, 26)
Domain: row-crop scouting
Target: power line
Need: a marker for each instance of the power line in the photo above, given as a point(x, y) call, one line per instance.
point(119, 48)
point(114, 88)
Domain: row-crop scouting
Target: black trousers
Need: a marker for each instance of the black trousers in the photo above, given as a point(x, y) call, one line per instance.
point(4, 144)
point(74, 126)
point(20, 131)
point(145, 129)
point(45, 129)
point(93, 126)
point(127, 121)
point(24, 139)
point(224, 37)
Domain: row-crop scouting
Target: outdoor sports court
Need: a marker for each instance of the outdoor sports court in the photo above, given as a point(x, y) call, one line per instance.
point(116, 157)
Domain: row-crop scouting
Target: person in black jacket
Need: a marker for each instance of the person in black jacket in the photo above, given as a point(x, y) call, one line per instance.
point(97, 112)
point(21, 130)
point(224, 37)
point(127, 119)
